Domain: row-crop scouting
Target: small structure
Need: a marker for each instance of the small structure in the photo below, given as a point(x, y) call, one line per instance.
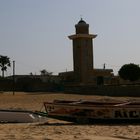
point(84, 72)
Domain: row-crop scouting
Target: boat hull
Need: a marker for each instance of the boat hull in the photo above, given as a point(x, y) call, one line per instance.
point(93, 111)
point(17, 116)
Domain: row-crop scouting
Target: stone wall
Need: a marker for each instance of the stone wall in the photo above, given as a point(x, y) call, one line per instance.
point(108, 90)
point(28, 85)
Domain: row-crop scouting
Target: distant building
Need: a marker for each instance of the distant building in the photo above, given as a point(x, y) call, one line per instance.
point(42, 78)
point(84, 72)
point(31, 83)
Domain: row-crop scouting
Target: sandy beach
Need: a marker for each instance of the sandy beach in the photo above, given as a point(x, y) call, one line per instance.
point(53, 129)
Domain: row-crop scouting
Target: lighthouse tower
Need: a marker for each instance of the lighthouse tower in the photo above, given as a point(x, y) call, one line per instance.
point(84, 73)
point(82, 52)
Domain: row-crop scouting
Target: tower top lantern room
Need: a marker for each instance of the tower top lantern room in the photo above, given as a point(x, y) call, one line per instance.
point(82, 27)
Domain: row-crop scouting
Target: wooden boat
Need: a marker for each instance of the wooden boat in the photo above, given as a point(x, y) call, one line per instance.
point(93, 111)
point(19, 116)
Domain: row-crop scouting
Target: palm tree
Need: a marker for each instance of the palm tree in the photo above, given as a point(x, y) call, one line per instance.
point(4, 63)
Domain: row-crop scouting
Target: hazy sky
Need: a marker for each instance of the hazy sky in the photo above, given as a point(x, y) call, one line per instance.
point(34, 32)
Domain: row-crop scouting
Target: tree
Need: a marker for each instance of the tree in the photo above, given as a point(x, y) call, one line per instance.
point(4, 63)
point(130, 72)
point(45, 72)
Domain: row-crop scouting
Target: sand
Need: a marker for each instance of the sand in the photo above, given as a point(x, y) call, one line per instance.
point(53, 129)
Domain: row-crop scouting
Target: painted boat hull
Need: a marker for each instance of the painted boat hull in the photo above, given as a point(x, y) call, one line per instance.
point(87, 111)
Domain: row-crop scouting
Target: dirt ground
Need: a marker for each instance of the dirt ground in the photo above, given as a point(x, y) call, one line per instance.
point(53, 129)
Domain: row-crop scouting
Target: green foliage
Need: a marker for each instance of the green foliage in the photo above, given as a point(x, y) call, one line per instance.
point(130, 72)
point(4, 63)
point(45, 72)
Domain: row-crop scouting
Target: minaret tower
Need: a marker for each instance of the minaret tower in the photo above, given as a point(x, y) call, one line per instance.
point(82, 52)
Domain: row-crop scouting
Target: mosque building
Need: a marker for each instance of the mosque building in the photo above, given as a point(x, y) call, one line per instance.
point(84, 72)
